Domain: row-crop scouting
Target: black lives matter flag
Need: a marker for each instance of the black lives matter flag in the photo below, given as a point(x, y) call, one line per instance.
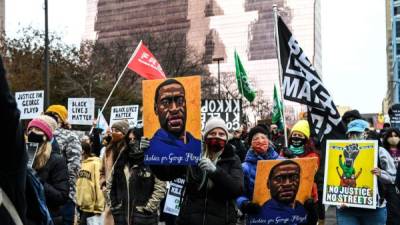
point(302, 84)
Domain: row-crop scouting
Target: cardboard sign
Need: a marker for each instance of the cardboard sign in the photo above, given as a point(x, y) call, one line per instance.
point(31, 149)
point(280, 188)
point(127, 112)
point(172, 200)
point(230, 110)
point(394, 115)
point(348, 178)
point(30, 103)
point(172, 123)
point(81, 111)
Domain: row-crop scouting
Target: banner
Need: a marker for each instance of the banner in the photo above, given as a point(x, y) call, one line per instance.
point(277, 111)
point(81, 111)
point(31, 149)
point(145, 64)
point(126, 112)
point(173, 198)
point(102, 122)
point(230, 110)
point(171, 119)
point(302, 84)
point(280, 188)
point(243, 82)
point(29, 103)
point(348, 177)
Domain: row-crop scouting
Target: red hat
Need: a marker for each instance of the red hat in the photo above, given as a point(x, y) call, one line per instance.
point(45, 124)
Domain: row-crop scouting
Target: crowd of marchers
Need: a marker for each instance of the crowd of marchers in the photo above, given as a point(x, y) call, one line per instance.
point(102, 178)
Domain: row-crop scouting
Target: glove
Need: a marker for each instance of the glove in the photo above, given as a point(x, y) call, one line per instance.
point(250, 208)
point(287, 153)
point(207, 165)
point(311, 208)
point(144, 144)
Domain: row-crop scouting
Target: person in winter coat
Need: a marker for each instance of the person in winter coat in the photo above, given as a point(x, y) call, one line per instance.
point(70, 148)
point(135, 193)
point(117, 144)
point(213, 185)
point(13, 154)
point(386, 174)
point(391, 143)
point(238, 143)
point(89, 197)
point(260, 149)
point(49, 165)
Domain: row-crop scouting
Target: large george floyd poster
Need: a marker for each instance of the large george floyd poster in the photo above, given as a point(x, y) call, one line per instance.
point(348, 177)
point(281, 188)
point(171, 119)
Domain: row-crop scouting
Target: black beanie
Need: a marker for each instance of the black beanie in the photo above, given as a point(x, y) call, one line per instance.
point(255, 130)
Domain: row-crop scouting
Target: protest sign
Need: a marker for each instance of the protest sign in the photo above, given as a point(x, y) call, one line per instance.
point(172, 200)
point(81, 111)
point(30, 103)
point(126, 112)
point(348, 178)
point(230, 110)
point(31, 149)
point(280, 203)
point(394, 115)
point(171, 119)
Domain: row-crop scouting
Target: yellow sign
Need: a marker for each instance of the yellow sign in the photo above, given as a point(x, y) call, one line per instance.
point(348, 177)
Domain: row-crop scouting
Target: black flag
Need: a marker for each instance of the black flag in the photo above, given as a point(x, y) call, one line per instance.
point(302, 84)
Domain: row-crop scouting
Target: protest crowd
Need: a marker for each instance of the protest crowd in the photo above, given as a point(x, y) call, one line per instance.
point(265, 173)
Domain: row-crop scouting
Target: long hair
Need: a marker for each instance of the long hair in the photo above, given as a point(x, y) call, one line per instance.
point(42, 155)
point(388, 134)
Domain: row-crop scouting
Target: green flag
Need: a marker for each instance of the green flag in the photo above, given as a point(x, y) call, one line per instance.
point(277, 111)
point(243, 83)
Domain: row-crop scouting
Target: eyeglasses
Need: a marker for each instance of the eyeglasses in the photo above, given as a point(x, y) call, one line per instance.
point(168, 101)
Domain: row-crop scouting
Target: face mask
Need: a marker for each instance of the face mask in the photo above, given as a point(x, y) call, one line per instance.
point(296, 150)
point(134, 150)
point(215, 144)
point(297, 141)
point(116, 137)
point(34, 137)
point(260, 146)
point(393, 140)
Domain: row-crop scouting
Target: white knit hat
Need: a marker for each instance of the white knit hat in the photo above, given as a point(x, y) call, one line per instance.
point(215, 122)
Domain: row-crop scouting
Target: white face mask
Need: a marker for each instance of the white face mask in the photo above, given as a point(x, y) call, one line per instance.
point(393, 140)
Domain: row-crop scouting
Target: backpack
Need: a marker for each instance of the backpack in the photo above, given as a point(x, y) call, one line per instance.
point(36, 201)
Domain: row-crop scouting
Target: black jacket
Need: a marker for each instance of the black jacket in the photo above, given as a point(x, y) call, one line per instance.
point(212, 201)
point(240, 148)
point(54, 177)
point(13, 155)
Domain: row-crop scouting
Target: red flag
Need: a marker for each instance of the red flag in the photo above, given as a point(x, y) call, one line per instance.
point(145, 64)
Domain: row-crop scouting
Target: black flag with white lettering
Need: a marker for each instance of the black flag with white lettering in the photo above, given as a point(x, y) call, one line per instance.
point(302, 84)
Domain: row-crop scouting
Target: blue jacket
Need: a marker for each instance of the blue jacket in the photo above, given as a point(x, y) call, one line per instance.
point(249, 167)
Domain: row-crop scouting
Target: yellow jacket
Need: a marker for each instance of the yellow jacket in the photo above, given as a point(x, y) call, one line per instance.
point(89, 196)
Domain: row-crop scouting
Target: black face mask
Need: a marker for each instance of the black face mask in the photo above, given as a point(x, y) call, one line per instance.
point(135, 152)
point(297, 141)
point(36, 138)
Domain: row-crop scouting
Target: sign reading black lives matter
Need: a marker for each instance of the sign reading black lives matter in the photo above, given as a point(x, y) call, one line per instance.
point(230, 110)
point(81, 111)
point(30, 103)
point(126, 112)
point(394, 115)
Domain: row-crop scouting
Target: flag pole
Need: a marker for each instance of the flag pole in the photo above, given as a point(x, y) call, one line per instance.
point(278, 53)
point(116, 84)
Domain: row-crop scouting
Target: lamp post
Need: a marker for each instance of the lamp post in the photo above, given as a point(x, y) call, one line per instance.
point(46, 56)
point(219, 78)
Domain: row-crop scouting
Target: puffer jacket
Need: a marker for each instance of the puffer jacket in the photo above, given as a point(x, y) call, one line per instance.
point(54, 177)
point(209, 198)
point(249, 172)
point(140, 197)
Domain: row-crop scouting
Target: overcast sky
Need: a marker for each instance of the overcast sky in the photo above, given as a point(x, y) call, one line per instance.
point(353, 43)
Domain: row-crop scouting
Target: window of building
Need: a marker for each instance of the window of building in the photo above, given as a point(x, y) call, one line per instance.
point(397, 10)
point(397, 28)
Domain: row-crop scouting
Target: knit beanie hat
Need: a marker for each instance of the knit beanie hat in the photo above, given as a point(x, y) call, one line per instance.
point(255, 130)
point(303, 127)
point(45, 124)
point(121, 125)
point(215, 122)
point(60, 110)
